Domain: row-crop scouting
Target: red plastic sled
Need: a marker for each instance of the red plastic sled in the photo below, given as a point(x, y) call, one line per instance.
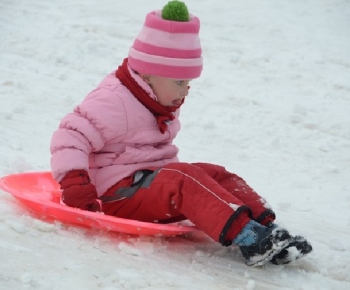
point(40, 192)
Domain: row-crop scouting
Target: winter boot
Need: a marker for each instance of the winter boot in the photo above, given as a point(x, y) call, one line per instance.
point(259, 244)
point(299, 247)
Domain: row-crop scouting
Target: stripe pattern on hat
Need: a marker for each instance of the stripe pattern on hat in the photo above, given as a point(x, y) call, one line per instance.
point(167, 48)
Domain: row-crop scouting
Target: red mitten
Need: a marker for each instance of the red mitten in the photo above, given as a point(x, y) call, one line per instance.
point(78, 191)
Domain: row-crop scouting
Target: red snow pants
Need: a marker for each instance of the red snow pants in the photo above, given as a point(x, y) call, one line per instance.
point(218, 202)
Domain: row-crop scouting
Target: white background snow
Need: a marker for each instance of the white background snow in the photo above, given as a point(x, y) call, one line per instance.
point(272, 105)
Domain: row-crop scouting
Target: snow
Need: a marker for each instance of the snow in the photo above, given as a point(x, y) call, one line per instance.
point(272, 105)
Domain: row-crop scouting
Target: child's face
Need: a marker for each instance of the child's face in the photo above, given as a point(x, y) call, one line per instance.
point(169, 92)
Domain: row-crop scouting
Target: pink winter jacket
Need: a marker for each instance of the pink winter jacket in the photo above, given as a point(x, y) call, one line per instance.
point(111, 135)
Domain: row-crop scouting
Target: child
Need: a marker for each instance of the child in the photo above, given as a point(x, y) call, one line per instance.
point(115, 152)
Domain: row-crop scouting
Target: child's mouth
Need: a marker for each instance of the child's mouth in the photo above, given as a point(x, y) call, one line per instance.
point(177, 102)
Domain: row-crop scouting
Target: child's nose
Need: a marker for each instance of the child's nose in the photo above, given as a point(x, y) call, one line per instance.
point(184, 93)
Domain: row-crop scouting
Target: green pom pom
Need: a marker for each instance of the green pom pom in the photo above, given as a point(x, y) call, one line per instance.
point(175, 11)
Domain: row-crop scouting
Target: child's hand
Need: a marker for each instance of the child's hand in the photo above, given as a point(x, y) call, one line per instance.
point(78, 191)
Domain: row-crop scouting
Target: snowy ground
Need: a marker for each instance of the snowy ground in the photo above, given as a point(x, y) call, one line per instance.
point(272, 105)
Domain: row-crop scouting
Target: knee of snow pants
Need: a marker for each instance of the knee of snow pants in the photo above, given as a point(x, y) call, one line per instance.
point(261, 211)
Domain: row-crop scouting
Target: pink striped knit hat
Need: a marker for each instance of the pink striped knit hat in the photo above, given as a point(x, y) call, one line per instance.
point(168, 48)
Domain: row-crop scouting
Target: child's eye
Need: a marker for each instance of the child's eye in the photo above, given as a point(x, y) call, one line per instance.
point(179, 82)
